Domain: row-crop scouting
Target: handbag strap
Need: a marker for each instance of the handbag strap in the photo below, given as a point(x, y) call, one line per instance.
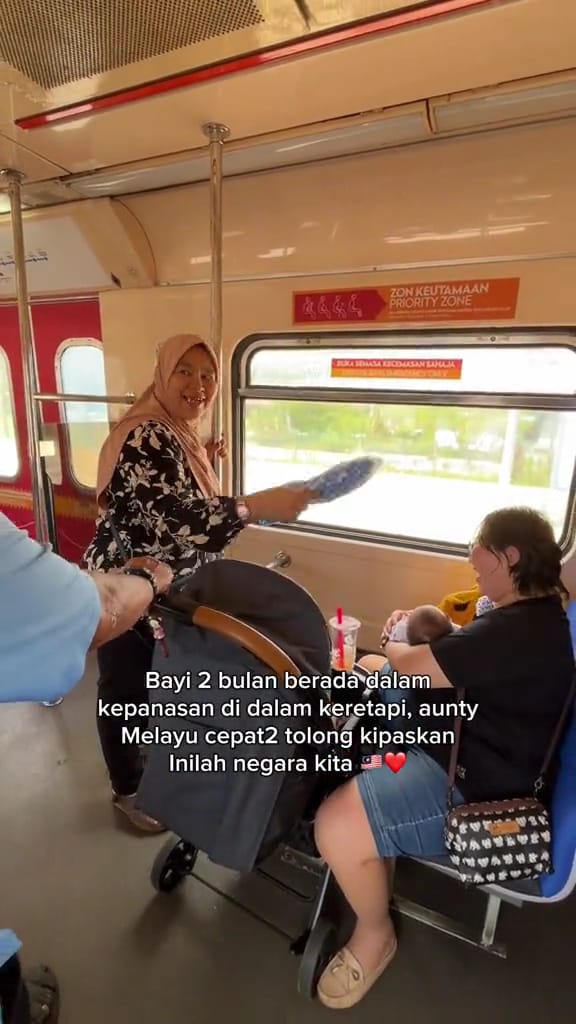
point(547, 757)
point(556, 736)
point(454, 753)
point(116, 536)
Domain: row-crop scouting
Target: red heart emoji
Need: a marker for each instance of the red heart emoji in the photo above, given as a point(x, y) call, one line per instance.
point(395, 761)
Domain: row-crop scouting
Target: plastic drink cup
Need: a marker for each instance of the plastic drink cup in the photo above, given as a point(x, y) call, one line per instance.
point(348, 628)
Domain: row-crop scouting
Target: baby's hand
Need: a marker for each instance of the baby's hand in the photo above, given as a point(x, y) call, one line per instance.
point(396, 617)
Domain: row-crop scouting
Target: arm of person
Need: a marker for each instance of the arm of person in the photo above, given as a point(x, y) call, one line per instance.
point(153, 471)
point(52, 614)
point(123, 600)
point(485, 653)
point(416, 661)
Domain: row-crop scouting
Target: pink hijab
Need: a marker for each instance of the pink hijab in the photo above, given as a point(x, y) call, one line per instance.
point(152, 405)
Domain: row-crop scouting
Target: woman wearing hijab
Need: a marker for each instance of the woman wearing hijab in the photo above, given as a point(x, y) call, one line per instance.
point(157, 485)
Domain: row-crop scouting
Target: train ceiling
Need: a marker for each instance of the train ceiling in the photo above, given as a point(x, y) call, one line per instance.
point(95, 47)
point(101, 84)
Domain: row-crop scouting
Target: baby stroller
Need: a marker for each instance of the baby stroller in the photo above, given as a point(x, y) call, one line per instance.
point(244, 782)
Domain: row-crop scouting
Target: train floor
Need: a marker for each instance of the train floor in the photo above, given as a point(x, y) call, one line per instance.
point(75, 886)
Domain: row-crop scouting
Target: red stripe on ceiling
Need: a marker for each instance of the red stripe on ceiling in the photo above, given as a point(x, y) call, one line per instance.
point(256, 60)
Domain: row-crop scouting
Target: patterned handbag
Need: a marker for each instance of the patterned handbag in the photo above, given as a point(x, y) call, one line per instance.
point(501, 840)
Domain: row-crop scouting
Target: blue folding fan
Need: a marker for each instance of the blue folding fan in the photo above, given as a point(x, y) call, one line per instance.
point(339, 480)
point(344, 478)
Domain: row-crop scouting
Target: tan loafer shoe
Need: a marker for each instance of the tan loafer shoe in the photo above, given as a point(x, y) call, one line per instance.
point(344, 982)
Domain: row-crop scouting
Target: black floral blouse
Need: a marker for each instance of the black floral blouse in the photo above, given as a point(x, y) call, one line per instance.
point(158, 509)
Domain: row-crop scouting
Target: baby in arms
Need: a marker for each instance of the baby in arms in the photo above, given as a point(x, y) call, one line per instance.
point(422, 625)
point(427, 623)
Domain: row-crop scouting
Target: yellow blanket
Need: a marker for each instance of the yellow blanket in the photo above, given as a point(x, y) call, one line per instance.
point(461, 606)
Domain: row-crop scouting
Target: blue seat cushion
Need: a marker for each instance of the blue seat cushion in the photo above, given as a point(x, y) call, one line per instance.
point(564, 802)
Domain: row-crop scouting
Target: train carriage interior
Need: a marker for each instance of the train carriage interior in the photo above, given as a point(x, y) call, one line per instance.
point(369, 209)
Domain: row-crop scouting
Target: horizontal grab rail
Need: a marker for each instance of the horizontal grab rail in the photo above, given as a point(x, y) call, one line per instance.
point(126, 399)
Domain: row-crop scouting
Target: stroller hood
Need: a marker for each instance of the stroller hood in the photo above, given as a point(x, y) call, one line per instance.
point(273, 604)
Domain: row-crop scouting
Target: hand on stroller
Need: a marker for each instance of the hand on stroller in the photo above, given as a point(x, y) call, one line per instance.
point(162, 573)
point(279, 504)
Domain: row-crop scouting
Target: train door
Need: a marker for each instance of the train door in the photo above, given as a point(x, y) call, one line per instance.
point(67, 338)
point(15, 478)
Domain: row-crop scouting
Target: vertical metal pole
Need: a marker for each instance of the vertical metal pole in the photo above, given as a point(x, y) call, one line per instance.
point(216, 134)
point(12, 180)
point(490, 921)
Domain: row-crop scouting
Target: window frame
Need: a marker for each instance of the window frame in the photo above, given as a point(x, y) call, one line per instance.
point(62, 347)
point(12, 479)
point(412, 339)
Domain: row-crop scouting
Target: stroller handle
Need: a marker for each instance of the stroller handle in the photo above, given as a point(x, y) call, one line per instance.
point(234, 629)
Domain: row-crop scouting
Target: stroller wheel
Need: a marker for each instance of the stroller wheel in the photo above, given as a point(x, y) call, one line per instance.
point(321, 945)
point(173, 862)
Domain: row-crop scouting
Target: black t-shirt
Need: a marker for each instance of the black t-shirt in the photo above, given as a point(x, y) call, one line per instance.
point(517, 663)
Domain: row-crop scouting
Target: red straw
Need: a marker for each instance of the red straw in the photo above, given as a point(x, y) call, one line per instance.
point(340, 619)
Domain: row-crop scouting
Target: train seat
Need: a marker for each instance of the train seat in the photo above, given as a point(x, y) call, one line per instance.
point(552, 888)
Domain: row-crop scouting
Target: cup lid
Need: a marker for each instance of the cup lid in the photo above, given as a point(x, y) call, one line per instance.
point(348, 622)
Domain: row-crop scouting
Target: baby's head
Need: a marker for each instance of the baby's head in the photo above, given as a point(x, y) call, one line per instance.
point(427, 623)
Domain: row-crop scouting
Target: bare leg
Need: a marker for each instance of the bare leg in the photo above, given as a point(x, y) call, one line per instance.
point(345, 841)
point(372, 662)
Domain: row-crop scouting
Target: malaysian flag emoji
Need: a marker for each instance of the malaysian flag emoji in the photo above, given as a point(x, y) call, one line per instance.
point(372, 761)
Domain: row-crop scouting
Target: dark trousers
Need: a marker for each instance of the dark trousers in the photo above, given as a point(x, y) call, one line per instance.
point(123, 664)
point(14, 999)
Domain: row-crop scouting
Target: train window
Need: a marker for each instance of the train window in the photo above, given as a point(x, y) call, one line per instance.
point(81, 372)
point(550, 370)
point(9, 457)
point(461, 429)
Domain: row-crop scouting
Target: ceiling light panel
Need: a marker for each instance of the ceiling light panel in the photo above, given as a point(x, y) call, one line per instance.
point(409, 127)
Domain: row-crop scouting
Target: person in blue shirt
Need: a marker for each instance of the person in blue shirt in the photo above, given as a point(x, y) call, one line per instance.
point(52, 614)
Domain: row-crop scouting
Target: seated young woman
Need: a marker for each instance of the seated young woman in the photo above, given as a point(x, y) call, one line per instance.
point(157, 486)
point(516, 662)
